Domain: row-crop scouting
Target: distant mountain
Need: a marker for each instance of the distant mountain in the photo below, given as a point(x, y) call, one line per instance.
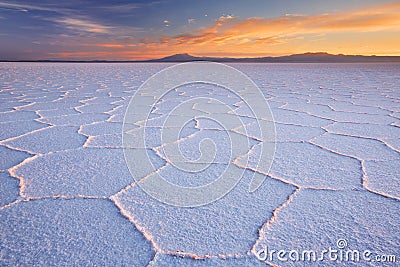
point(177, 58)
point(320, 57)
point(186, 58)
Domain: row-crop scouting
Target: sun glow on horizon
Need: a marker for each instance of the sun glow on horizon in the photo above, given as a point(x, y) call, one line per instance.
point(368, 30)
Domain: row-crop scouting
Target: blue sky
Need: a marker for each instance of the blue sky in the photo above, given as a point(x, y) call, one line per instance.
point(147, 29)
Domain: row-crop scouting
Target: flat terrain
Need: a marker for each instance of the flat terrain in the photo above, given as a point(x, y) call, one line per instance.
point(67, 196)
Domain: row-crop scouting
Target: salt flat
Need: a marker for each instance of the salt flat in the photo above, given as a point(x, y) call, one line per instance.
point(68, 198)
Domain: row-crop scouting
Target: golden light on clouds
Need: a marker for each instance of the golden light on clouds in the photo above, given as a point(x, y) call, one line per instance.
point(374, 30)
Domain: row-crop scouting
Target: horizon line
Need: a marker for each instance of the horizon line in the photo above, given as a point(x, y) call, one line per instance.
point(311, 58)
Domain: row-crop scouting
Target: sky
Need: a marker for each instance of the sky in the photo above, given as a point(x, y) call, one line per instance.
point(137, 30)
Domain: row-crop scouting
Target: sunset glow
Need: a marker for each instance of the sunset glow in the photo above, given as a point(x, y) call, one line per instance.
point(145, 30)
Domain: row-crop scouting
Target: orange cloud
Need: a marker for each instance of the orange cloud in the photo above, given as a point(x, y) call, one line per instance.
point(106, 55)
point(106, 45)
point(230, 30)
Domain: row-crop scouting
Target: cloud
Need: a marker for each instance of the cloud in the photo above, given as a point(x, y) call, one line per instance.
point(234, 31)
point(112, 55)
point(64, 16)
point(128, 7)
point(28, 7)
point(83, 25)
point(225, 17)
point(122, 8)
point(107, 45)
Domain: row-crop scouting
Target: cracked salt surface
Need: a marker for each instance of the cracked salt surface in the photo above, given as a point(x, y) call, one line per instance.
point(64, 232)
point(68, 198)
point(360, 148)
point(17, 128)
point(316, 219)
point(384, 176)
point(163, 260)
point(227, 226)
point(8, 188)
point(87, 171)
point(11, 157)
point(47, 140)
